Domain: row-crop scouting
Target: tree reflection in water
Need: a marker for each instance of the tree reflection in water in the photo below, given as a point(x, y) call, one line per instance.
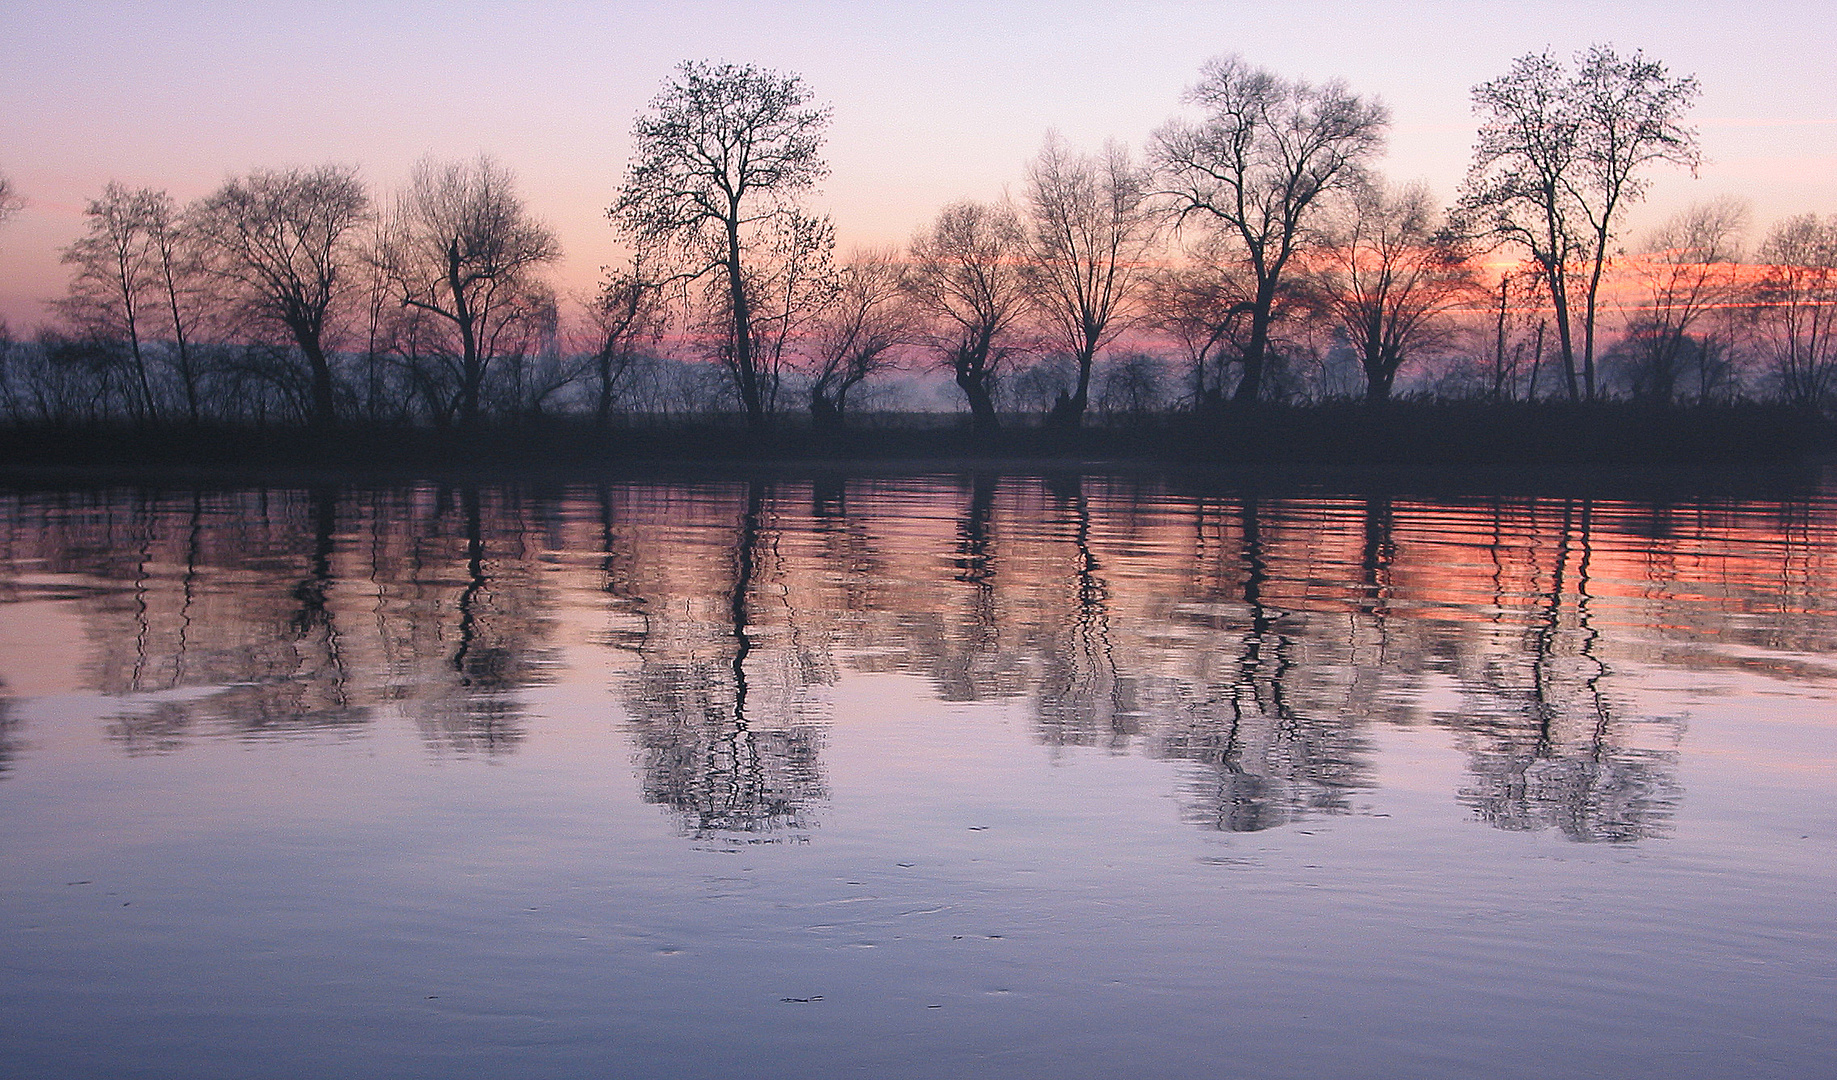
point(727, 730)
point(1260, 640)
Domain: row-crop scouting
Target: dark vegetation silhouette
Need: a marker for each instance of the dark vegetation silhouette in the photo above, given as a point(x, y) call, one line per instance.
point(1254, 294)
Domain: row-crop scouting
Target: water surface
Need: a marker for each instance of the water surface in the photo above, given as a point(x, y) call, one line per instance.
point(981, 775)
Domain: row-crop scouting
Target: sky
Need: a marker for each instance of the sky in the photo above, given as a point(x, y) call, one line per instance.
point(933, 101)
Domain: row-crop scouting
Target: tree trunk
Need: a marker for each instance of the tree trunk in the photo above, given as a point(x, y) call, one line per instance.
point(745, 365)
point(1250, 387)
point(1559, 299)
point(974, 384)
point(324, 406)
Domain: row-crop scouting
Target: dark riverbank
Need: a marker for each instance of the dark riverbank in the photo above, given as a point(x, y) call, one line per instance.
point(1543, 437)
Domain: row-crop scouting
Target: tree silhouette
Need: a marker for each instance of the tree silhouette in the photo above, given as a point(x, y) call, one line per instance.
point(965, 272)
point(720, 161)
point(463, 248)
point(1090, 228)
point(1389, 277)
point(282, 241)
point(1256, 167)
point(1558, 158)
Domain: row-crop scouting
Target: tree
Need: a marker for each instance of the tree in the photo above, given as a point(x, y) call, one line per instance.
point(10, 202)
point(462, 248)
point(1688, 268)
point(177, 273)
point(114, 279)
point(860, 334)
point(1256, 167)
point(283, 242)
point(1389, 274)
point(628, 315)
point(788, 288)
point(1202, 306)
point(1091, 226)
point(964, 270)
point(1558, 158)
point(722, 158)
point(1796, 308)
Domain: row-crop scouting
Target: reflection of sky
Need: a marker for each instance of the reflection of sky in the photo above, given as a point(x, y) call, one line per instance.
point(933, 101)
point(1256, 641)
point(377, 899)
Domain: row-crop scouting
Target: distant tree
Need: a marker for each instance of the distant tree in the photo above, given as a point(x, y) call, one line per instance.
point(178, 274)
point(1090, 228)
point(628, 319)
point(1517, 314)
point(283, 242)
point(462, 248)
point(114, 279)
point(1389, 274)
point(1796, 308)
point(1559, 157)
point(1133, 384)
point(1256, 168)
point(860, 334)
point(789, 288)
point(10, 202)
point(721, 159)
point(1204, 306)
point(964, 271)
point(1688, 269)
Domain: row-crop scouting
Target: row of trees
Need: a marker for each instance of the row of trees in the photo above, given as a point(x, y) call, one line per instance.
point(1253, 254)
point(285, 290)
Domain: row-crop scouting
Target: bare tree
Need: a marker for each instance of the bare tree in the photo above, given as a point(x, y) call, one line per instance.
point(1516, 314)
point(1133, 384)
point(1090, 229)
point(628, 317)
point(965, 271)
point(178, 273)
point(1256, 167)
point(283, 243)
point(1203, 306)
point(1558, 158)
point(860, 334)
point(722, 158)
point(788, 289)
point(462, 248)
point(10, 202)
point(114, 279)
point(1688, 269)
point(1796, 308)
point(1389, 275)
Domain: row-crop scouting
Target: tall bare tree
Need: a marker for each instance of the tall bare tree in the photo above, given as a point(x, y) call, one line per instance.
point(1389, 274)
point(284, 243)
point(722, 159)
point(1559, 157)
point(463, 248)
point(965, 271)
point(1091, 226)
point(861, 333)
point(1256, 166)
point(178, 272)
point(114, 279)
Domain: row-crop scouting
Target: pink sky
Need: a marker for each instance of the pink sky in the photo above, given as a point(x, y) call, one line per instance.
point(933, 101)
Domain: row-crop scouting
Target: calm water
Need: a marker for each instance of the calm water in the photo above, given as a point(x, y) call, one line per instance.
point(915, 777)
